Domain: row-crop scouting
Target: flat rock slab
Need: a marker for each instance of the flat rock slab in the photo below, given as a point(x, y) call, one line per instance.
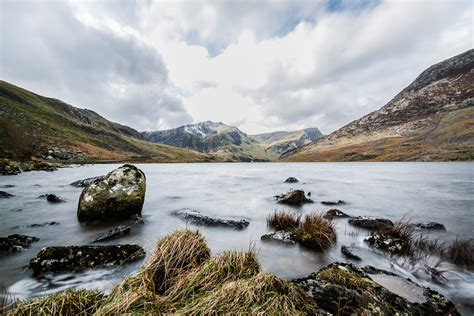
point(293, 197)
point(197, 218)
point(280, 236)
point(85, 182)
point(339, 202)
point(15, 243)
point(114, 233)
point(76, 258)
point(370, 222)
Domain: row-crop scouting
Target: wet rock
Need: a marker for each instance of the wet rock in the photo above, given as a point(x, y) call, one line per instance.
point(348, 254)
point(198, 218)
point(370, 222)
point(344, 289)
point(137, 219)
point(293, 197)
point(7, 186)
point(282, 236)
point(388, 243)
point(15, 210)
point(44, 224)
point(118, 195)
point(9, 167)
point(335, 213)
point(39, 166)
point(5, 195)
point(291, 180)
point(431, 225)
point(52, 198)
point(85, 182)
point(15, 243)
point(76, 258)
point(114, 233)
point(339, 202)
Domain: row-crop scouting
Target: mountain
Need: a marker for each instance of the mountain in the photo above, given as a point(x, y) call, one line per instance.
point(430, 120)
point(282, 142)
point(36, 126)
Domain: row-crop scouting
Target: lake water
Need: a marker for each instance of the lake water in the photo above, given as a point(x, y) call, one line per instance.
point(441, 192)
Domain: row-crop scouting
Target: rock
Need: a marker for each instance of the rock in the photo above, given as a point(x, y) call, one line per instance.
point(113, 233)
point(9, 167)
point(7, 186)
point(76, 258)
point(281, 236)
point(15, 243)
point(52, 198)
point(197, 218)
point(387, 243)
point(348, 254)
point(431, 225)
point(293, 197)
point(344, 289)
point(335, 213)
point(85, 182)
point(370, 222)
point(118, 195)
point(15, 210)
point(333, 203)
point(137, 219)
point(291, 180)
point(5, 195)
point(44, 224)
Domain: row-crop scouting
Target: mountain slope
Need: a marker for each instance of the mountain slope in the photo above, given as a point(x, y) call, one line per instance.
point(35, 126)
point(282, 142)
point(431, 119)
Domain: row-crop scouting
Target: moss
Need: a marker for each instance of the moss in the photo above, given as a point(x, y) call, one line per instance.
point(340, 275)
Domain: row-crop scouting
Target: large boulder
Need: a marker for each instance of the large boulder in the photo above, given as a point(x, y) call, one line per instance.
point(119, 195)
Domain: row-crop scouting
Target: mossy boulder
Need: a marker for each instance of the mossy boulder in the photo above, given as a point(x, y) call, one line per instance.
point(9, 167)
point(118, 195)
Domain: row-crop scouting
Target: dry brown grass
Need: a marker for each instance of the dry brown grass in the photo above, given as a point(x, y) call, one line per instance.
point(460, 252)
point(280, 220)
point(316, 232)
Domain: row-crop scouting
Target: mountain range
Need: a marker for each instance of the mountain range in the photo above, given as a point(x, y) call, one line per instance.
point(432, 119)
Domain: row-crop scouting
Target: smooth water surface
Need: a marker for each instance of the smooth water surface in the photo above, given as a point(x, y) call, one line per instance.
point(441, 192)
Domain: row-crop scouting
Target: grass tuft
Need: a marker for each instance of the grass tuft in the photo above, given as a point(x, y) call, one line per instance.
point(461, 252)
point(316, 232)
point(280, 220)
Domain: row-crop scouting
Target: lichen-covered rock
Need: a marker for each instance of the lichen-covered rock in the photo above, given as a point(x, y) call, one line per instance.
point(349, 254)
point(431, 225)
point(9, 167)
point(335, 213)
point(118, 195)
point(113, 233)
point(293, 197)
point(338, 202)
point(370, 222)
point(396, 246)
point(85, 182)
point(198, 218)
point(291, 180)
point(5, 195)
point(15, 243)
point(76, 258)
point(344, 289)
point(281, 236)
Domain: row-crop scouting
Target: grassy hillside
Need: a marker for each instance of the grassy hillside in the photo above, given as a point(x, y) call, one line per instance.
point(35, 126)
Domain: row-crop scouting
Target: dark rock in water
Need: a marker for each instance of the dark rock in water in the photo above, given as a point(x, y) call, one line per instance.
point(85, 182)
point(335, 213)
point(118, 195)
point(113, 233)
point(5, 195)
point(7, 186)
point(344, 289)
point(15, 243)
point(293, 197)
point(137, 219)
point(9, 167)
point(52, 198)
point(387, 243)
point(15, 210)
point(431, 225)
point(333, 203)
point(291, 180)
point(348, 254)
point(373, 270)
point(282, 236)
point(309, 193)
point(44, 224)
point(197, 218)
point(76, 258)
point(370, 222)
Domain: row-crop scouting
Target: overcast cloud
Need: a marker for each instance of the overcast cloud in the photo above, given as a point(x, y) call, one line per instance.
point(259, 65)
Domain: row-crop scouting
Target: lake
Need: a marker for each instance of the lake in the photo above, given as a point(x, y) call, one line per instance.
point(440, 192)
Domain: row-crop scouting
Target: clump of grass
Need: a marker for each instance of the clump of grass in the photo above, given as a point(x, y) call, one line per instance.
point(340, 275)
point(69, 302)
point(461, 252)
point(280, 220)
point(316, 232)
point(262, 294)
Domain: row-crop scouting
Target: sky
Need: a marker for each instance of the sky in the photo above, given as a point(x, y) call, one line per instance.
point(259, 65)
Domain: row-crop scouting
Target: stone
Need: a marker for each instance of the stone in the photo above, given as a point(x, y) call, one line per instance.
point(9, 167)
point(370, 222)
point(293, 197)
point(52, 198)
point(333, 203)
point(114, 233)
point(85, 182)
point(281, 236)
point(348, 254)
point(15, 243)
point(77, 258)
point(335, 213)
point(431, 225)
point(118, 195)
point(44, 224)
point(388, 243)
point(197, 218)
point(291, 180)
point(5, 195)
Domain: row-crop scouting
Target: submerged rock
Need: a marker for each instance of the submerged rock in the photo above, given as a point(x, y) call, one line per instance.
point(335, 213)
point(348, 254)
point(344, 289)
point(113, 233)
point(85, 182)
point(293, 197)
point(370, 222)
point(118, 195)
point(15, 243)
point(333, 202)
point(387, 243)
point(282, 236)
point(53, 198)
point(137, 219)
point(431, 225)
point(44, 224)
point(5, 195)
point(291, 180)
point(198, 218)
point(76, 258)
